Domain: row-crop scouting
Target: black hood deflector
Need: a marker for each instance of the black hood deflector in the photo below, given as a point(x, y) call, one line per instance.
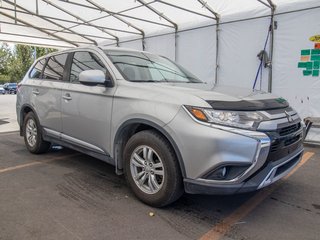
point(250, 105)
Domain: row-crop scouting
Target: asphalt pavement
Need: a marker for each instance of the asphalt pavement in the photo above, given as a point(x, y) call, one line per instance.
point(8, 117)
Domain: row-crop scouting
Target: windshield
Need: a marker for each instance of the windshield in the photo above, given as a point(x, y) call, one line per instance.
point(146, 67)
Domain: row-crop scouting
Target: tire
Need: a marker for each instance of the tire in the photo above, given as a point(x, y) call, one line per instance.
point(150, 159)
point(33, 135)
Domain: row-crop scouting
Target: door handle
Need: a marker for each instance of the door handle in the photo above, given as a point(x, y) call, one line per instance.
point(67, 97)
point(35, 92)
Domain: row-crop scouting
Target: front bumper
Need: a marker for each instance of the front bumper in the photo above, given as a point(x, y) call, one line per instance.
point(266, 155)
point(271, 172)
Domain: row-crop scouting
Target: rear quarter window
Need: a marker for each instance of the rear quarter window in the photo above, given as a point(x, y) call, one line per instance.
point(37, 69)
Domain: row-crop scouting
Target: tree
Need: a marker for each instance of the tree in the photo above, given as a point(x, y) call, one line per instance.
point(20, 63)
point(5, 58)
point(21, 59)
point(40, 51)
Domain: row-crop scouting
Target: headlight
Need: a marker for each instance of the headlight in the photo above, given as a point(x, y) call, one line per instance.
point(239, 119)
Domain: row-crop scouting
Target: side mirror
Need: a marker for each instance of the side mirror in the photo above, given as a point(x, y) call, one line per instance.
point(93, 77)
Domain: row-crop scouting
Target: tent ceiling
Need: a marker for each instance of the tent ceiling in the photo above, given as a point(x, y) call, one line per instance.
point(67, 23)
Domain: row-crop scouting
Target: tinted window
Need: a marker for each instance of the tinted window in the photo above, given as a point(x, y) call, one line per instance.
point(85, 61)
point(55, 67)
point(37, 69)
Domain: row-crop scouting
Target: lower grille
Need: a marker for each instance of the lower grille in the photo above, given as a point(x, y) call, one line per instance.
point(281, 150)
point(286, 166)
point(291, 140)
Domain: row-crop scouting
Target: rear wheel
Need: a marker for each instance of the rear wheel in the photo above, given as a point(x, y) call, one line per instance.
point(33, 135)
point(152, 170)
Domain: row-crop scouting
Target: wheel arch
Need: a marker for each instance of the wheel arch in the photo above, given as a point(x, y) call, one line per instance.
point(132, 126)
point(25, 109)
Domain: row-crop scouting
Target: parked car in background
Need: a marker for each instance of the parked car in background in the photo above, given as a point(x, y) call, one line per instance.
point(2, 91)
point(157, 123)
point(10, 88)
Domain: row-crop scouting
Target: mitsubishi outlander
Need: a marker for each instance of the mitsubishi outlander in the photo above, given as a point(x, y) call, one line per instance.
point(159, 125)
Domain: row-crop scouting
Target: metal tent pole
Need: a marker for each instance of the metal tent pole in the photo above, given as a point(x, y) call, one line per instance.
point(217, 18)
point(273, 9)
point(161, 15)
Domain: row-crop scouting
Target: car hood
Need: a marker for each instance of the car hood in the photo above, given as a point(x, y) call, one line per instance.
point(227, 97)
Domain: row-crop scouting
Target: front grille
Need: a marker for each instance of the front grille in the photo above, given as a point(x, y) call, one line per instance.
point(284, 141)
point(290, 129)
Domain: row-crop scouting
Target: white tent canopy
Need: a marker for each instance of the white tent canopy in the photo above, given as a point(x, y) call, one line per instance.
point(218, 40)
point(66, 23)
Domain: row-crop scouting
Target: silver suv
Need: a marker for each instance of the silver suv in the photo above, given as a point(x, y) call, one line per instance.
point(157, 123)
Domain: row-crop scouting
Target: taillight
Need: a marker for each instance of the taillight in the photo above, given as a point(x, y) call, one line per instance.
point(18, 86)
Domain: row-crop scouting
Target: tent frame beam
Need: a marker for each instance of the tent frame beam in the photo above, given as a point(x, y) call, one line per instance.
point(119, 13)
point(39, 29)
point(35, 37)
point(52, 22)
point(70, 21)
point(161, 15)
point(81, 19)
point(102, 9)
point(53, 30)
point(184, 9)
point(37, 44)
point(120, 19)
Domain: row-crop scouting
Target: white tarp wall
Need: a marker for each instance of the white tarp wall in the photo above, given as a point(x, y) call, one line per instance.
point(291, 37)
point(240, 42)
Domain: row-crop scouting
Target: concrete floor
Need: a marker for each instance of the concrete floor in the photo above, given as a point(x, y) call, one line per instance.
point(67, 195)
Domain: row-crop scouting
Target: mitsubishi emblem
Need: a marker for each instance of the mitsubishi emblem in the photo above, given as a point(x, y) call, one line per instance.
point(290, 119)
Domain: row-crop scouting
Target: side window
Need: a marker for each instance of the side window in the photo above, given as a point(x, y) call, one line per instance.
point(85, 61)
point(55, 67)
point(37, 69)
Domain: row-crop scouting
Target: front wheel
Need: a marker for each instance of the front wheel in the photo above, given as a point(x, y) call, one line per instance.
point(151, 169)
point(32, 135)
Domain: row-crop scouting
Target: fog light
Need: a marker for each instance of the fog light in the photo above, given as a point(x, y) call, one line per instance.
point(226, 172)
point(219, 174)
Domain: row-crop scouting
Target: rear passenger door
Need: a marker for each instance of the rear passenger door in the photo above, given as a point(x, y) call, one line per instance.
point(46, 92)
point(86, 110)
